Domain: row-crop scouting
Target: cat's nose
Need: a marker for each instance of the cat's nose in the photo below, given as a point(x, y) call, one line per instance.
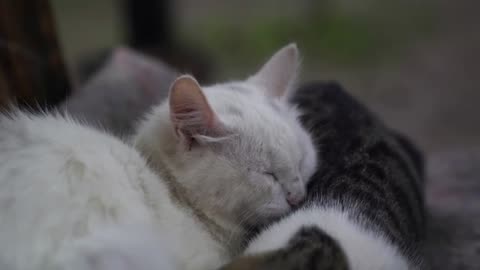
point(295, 199)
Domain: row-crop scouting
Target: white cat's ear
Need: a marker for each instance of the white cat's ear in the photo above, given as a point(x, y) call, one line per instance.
point(278, 75)
point(190, 112)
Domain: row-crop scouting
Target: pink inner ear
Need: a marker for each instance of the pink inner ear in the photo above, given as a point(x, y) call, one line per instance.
point(278, 74)
point(189, 109)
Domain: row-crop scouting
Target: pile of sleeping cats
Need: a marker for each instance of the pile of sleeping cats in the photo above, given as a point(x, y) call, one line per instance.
point(248, 174)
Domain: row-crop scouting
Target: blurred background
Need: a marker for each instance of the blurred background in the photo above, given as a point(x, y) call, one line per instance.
point(415, 63)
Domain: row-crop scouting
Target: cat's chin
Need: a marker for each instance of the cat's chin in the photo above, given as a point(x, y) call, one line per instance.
point(268, 215)
point(263, 222)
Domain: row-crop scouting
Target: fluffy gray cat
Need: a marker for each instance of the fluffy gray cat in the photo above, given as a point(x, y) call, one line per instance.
point(120, 93)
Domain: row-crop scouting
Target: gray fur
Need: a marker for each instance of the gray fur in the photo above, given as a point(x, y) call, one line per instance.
point(309, 249)
point(368, 166)
point(121, 92)
point(373, 173)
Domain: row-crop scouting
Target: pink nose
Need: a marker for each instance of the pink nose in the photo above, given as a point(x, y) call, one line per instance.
point(294, 200)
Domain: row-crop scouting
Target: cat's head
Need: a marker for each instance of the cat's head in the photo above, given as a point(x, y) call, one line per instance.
point(237, 148)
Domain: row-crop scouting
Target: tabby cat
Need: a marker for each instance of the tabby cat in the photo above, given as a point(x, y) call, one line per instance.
point(365, 203)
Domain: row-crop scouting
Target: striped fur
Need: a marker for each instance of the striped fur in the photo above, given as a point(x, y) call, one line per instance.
point(370, 182)
point(365, 164)
point(309, 248)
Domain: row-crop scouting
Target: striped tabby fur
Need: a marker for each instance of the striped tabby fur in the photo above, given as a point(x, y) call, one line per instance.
point(368, 172)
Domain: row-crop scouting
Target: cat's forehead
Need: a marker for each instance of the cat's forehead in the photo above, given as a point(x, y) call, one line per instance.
point(243, 97)
point(263, 125)
point(266, 141)
point(240, 87)
point(261, 152)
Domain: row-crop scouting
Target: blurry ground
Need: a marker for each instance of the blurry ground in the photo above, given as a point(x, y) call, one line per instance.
point(415, 64)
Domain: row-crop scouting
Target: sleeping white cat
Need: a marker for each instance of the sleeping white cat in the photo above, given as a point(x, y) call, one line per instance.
point(222, 158)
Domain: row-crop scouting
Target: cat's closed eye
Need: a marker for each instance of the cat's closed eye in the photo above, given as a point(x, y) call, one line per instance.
point(271, 175)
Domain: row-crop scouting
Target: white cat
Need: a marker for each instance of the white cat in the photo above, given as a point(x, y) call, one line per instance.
point(225, 157)
point(242, 131)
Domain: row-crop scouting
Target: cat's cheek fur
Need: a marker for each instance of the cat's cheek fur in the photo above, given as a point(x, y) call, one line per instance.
point(277, 206)
point(364, 250)
point(259, 200)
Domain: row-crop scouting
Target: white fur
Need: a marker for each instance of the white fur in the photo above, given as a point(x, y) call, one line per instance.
point(364, 249)
point(62, 185)
point(74, 198)
point(259, 133)
point(134, 246)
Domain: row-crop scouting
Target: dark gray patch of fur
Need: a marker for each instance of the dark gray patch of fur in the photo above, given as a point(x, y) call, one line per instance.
point(365, 166)
point(309, 249)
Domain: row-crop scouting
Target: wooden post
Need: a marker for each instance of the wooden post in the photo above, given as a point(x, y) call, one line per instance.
point(151, 29)
point(32, 71)
point(149, 23)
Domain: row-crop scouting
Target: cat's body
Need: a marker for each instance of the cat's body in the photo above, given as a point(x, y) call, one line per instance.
point(72, 197)
point(367, 196)
point(120, 93)
point(62, 184)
